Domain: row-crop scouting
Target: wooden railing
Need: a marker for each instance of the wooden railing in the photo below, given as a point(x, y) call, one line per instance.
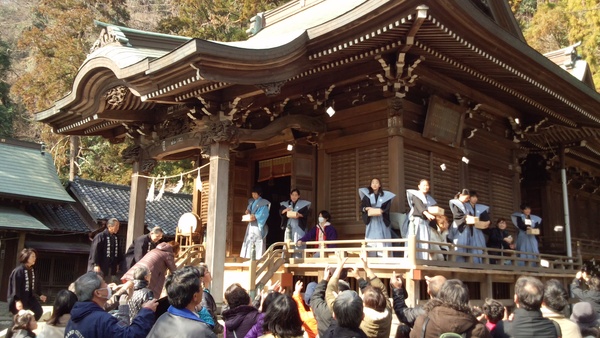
point(585, 247)
point(402, 256)
point(191, 255)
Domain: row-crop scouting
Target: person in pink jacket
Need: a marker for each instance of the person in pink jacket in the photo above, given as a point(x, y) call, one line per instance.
point(157, 261)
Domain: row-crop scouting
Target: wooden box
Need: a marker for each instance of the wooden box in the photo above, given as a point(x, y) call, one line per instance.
point(533, 231)
point(292, 214)
point(436, 211)
point(472, 220)
point(374, 212)
point(248, 218)
point(285, 279)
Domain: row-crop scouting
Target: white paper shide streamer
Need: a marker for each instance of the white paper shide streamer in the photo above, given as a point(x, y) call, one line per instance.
point(161, 191)
point(150, 196)
point(179, 185)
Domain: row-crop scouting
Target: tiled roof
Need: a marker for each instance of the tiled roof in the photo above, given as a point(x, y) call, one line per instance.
point(28, 173)
point(17, 219)
point(60, 217)
point(104, 201)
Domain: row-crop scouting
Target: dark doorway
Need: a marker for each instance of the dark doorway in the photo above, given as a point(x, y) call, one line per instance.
point(275, 190)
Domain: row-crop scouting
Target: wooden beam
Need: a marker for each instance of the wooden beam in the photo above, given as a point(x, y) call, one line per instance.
point(300, 122)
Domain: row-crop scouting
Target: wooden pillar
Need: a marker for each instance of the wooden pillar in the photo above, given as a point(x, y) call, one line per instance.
point(216, 234)
point(137, 205)
point(20, 245)
point(196, 194)
point(396, 154)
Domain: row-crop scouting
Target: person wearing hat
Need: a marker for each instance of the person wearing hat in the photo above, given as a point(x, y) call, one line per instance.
point(141, 245)
point(586, 318)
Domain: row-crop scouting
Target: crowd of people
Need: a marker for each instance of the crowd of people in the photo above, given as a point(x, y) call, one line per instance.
point(120, 295)
point(94, 307)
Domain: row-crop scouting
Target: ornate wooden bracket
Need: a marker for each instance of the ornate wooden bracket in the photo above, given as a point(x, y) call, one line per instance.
point(272, 88)
point(299, 122)
point(398, 76)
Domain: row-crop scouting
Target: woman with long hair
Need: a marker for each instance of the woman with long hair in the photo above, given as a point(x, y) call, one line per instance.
point(282, 319)
point(24, 286)
point(375, 208)
point(61, 313)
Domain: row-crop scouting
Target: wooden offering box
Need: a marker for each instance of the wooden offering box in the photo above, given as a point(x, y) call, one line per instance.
point(248, 218)
point(533, 231)
point(374, 212)
point(436, 211)
point(472, 220)
point(292, 214)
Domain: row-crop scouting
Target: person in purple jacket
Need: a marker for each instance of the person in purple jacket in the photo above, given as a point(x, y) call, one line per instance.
point(240, 316)
point(323, 231)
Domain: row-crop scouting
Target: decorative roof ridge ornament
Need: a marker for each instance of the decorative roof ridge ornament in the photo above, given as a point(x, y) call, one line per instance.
point(257, 23)
point(108, 36)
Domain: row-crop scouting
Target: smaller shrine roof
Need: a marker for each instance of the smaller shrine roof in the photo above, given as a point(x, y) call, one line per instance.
point(27, 172)
point(104, 201)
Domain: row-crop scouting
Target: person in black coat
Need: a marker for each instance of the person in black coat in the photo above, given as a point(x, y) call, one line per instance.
point(105, 253)
point(591, 294)
point(24, 286)
point(499, 238)
point(141, 245)
point(528, 320)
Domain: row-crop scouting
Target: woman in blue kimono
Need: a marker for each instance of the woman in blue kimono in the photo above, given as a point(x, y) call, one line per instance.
point(257, 229)
point(295, 227)
point(460, 232)
point(419, 217)
point(477, 237)
point(378, 227)
point(524, 220)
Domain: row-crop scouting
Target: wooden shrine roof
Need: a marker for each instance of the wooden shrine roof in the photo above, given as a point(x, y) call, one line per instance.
point(460, 47)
